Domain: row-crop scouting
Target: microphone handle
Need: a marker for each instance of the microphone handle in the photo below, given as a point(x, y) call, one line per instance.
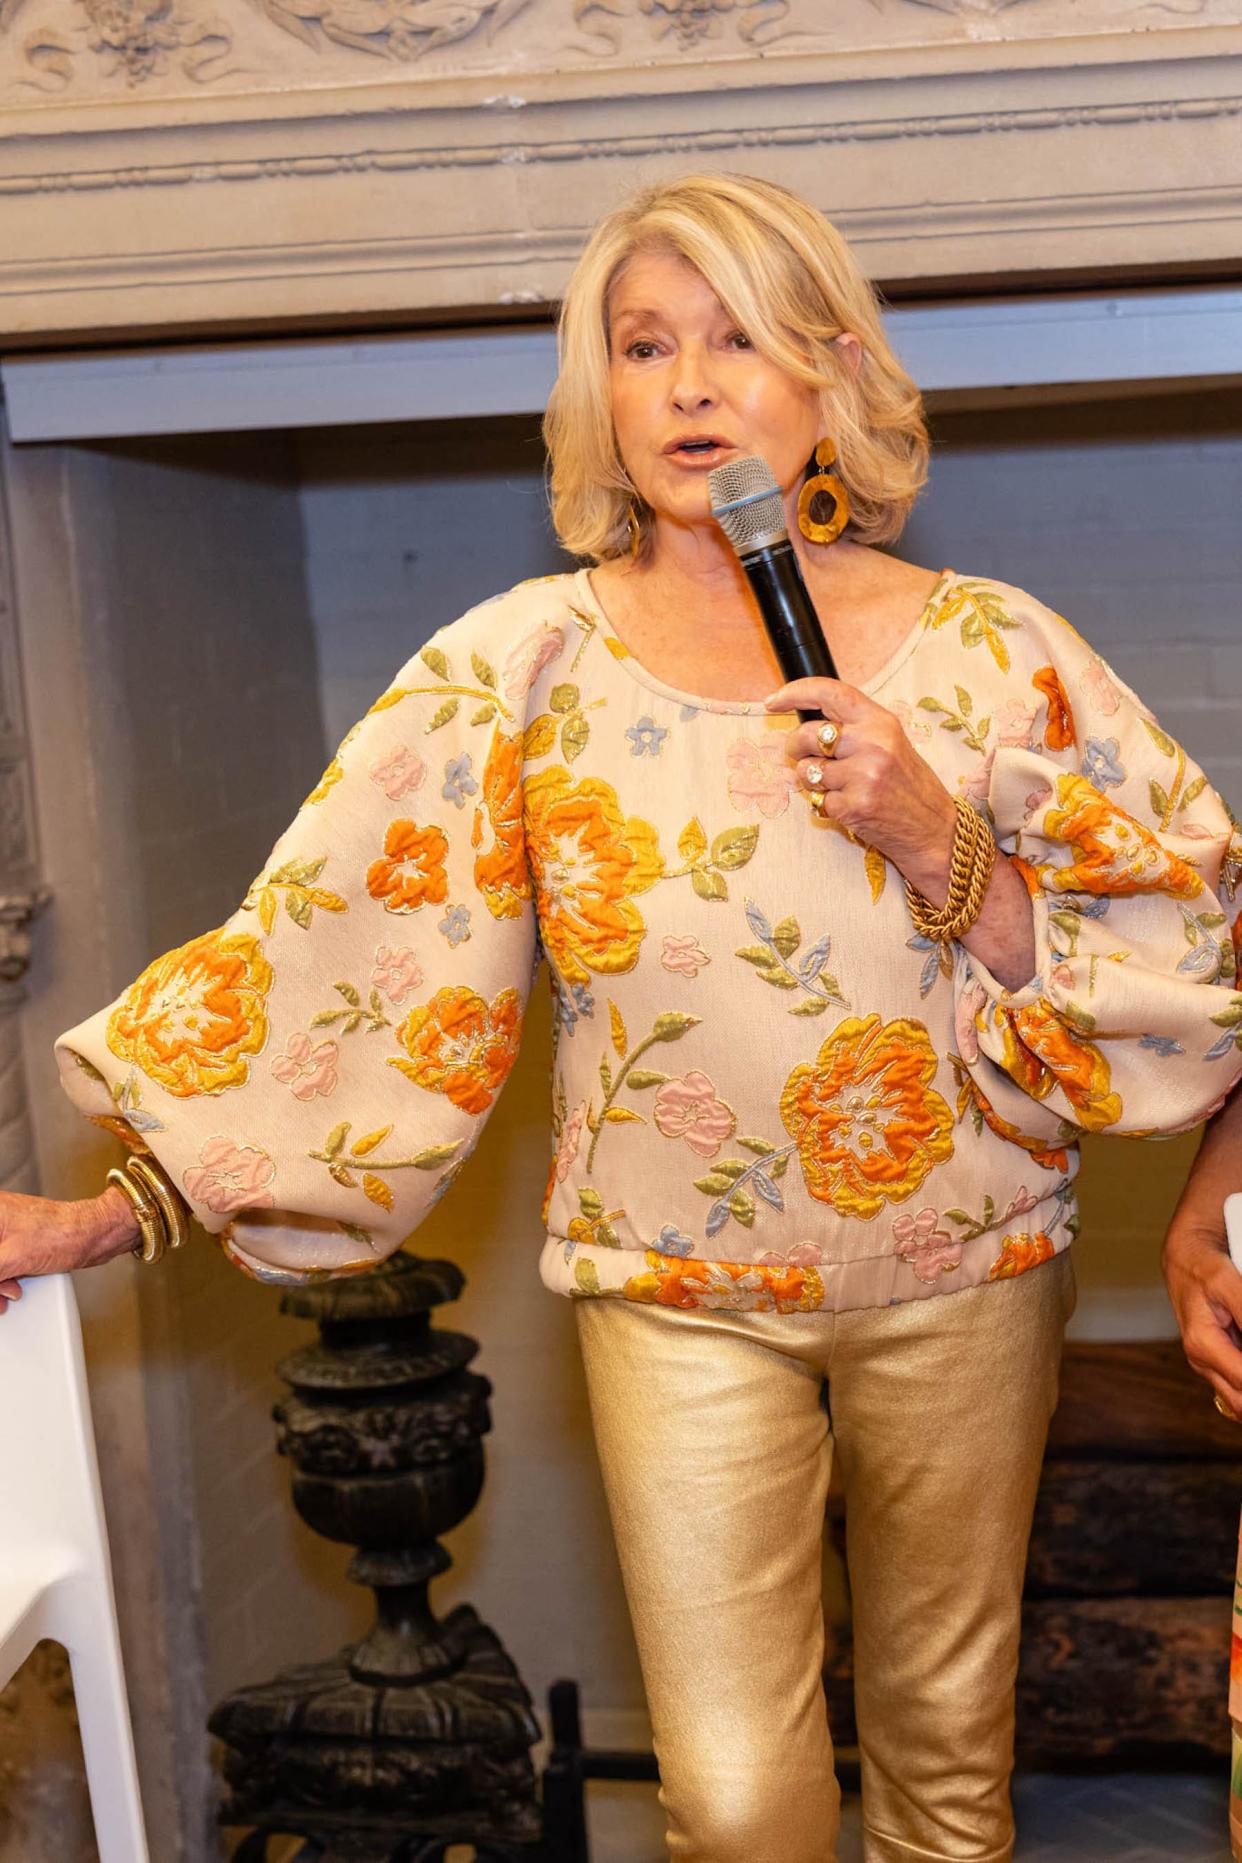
point(788, 615)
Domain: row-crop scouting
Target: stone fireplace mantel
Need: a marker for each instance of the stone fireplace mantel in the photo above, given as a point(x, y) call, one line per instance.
point(177, 167)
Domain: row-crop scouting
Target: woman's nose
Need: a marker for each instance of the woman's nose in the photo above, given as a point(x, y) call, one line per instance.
point(692, 386)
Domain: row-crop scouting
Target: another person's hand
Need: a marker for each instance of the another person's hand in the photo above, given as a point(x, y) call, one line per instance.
point(874, 782)
point(1206, 1293)
point(39, 1235)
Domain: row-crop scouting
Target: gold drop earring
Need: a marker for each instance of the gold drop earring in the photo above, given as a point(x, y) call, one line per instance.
point(823, 484)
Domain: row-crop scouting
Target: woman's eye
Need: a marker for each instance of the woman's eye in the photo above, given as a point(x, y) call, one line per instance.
point(641, 348)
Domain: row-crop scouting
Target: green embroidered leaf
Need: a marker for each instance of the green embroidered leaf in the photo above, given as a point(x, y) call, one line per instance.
point(1080, 1018)
point(563, 698)
point(606, 1235)
point(355, 1233)
point(787, 936)
point(435, 1155)
point(733, 847)
point(482, 670)
point(605, 1074)
point(1193, 791)
point(755, 954)
point(1230, 1017)
point(446, 711)
point(708, 885)
point(1159, 800)
point(1159, 738)
point(348, 991)
point(673, 1024)
point(483, 714)
point(591, 1204)
point(297, 872)
point(811, 1006)
point(298, 906)
point(336, 1139)
point(742, 1204)
point(586, 1275)
point(342, 1176)
point(781, 979)
point(432, 657)
point(646, 1077)
point(575, 735)
point(965, 704)
point(932, 705)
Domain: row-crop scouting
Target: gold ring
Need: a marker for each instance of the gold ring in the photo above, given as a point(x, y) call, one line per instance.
point(1223, 1407)
point(828, 734)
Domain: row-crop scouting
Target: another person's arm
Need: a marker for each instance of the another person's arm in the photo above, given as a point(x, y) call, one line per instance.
point(1204, 1286)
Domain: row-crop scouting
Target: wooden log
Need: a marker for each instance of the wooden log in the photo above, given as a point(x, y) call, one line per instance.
point(1123, 1679)
point(1138, 1400)
point(1107, 1528)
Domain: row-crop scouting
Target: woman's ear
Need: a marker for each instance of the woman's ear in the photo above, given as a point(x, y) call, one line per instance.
point(850, 349)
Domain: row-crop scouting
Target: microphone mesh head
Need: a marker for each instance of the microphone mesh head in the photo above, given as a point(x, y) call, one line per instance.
point(746, 503)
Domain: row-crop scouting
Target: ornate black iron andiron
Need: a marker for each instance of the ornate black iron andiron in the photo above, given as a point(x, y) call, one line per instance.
point(419, 1737)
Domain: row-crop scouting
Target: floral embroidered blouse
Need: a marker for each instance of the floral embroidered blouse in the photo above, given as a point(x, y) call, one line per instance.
point(766, 1090)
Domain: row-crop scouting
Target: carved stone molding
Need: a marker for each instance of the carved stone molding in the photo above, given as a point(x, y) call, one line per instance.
point(421, 195)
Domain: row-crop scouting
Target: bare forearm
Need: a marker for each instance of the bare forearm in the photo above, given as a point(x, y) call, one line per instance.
point(1215, 1175)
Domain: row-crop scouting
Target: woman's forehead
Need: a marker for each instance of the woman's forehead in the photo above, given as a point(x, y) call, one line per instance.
point(648, 281)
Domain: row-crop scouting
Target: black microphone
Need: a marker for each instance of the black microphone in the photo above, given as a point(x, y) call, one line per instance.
point(746, 503)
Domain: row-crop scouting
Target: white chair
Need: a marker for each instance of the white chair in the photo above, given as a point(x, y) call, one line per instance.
point(55, 1578)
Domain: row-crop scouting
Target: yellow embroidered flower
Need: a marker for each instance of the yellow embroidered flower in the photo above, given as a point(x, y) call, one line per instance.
point(1113, 853)
point(194, 1017)
point(1059, 731)
point(1020, 1252)
point(1041, 1052)
point(588, 860)
point(462, 1046)
point(868, 1124)
point(501, 875)
point(675, 1281)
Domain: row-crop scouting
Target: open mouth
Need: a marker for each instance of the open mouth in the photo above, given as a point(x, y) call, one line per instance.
point(695, 449)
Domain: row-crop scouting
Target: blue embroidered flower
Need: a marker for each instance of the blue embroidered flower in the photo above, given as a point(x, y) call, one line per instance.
point(458, 782)
point(646, 737)
point(1100, 762)
point(569, 1006)
point(671, 1241)
point(1161, 1044)
point(455, 924)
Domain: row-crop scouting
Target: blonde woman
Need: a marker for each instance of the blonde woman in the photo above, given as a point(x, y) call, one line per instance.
point(834, 1001)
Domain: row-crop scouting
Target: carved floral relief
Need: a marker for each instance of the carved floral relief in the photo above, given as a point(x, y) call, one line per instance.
point(402, 29)
point(685, 22)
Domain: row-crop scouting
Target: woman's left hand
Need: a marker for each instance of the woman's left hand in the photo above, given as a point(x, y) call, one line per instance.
point(874, 783)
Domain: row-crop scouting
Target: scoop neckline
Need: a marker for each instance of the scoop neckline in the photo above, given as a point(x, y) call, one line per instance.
point(624, 656)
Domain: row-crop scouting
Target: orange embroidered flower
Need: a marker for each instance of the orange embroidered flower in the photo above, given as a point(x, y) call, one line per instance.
point(462, 1046)
point(1048, 1157)
point(1059, 732)
point(1113, 853)
point(588, 860)
point(411, 874)
point(195, 1016)
point(1020, 1252)
point(502, 875)
point(868, 1123)
point(674, 1281)
point(1042, 1052)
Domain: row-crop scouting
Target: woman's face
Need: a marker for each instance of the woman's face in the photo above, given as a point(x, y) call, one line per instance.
point(682, 371)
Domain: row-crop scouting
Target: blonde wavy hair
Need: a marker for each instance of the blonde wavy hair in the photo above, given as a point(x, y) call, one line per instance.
point(792, 283)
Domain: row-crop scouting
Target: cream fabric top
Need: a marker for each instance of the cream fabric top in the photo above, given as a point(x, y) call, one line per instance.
point(766, 1090)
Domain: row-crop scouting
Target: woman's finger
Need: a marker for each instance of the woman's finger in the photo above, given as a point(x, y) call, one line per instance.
point(10, 1290)
point(1229, 1395)
point(833, 697)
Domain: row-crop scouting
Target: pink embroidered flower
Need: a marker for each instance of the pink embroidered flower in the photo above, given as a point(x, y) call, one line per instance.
point(1062, 974)
point(398, 771)
point(931, 1252)
point(801, 1255)
point(571, 1135)
point(397, 972)
point(683, 954)
point(306, 1069)
point(975, 787)
point(231, 1177)
point(1022, 1202)
point(1038, 799)
point(760, 776)
point(1014, 722)
point(1103, 691)
point(915, 724)
point(965, 1009)
point(688, 1108)
point(528, 659)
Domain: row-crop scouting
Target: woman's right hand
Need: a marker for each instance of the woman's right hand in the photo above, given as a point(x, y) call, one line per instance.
point(40, 1235)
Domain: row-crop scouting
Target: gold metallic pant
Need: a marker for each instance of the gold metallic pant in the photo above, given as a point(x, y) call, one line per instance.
point(715, 1434)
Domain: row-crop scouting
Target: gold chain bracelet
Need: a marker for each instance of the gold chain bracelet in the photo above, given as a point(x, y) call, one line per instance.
point(970, 870)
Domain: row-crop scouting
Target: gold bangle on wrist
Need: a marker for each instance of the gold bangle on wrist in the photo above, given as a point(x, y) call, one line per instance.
point(150, 1220)
point(970, 870)
point(152, 1176)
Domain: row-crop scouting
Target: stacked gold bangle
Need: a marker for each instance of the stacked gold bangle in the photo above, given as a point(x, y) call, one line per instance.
point(970, 869)
point(159, 1208)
